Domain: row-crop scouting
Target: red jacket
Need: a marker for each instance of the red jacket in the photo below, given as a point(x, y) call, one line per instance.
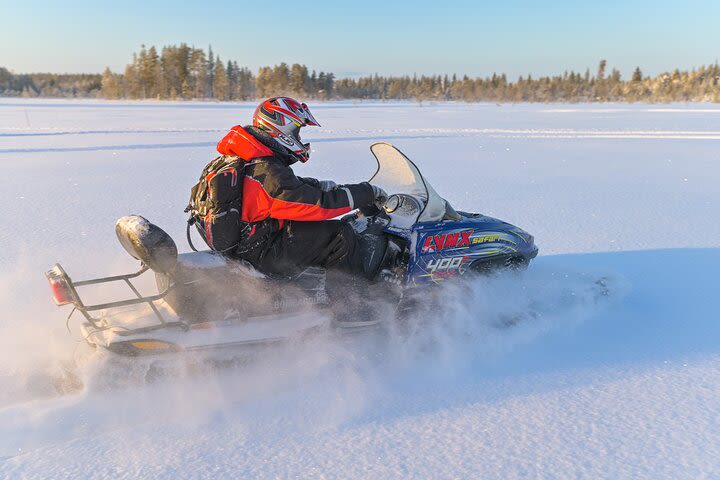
point(271, 189)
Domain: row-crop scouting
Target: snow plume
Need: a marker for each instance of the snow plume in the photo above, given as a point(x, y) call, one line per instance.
point(42, 356)
point(35, 352)
point(460, 325)
point(317, 383)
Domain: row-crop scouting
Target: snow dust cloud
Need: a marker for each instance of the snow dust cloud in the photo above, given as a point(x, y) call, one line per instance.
point(318, 382)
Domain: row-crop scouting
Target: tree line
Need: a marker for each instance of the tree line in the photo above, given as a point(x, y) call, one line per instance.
point(187, 73)
point(76, 85)
point(184, 72)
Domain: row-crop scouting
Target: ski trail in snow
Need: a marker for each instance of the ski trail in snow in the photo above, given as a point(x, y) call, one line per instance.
point(51, 132)
point(104, 148)
point(366, 135)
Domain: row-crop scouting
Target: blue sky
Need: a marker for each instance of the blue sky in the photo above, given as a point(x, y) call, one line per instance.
point(361, 37)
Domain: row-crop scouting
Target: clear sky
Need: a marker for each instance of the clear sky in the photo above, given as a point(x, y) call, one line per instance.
point(367, 36)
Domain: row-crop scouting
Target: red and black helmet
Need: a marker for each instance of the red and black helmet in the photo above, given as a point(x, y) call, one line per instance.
point(282, 118)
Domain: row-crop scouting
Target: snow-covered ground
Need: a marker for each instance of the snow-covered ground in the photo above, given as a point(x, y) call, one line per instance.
point(626, 389)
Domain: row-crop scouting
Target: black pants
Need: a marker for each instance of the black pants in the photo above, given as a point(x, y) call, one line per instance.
point(331, 244)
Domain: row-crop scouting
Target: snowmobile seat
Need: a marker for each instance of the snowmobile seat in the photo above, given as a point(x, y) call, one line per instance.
point(147, 242)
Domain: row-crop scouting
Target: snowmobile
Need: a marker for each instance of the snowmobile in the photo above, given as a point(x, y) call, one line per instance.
point(208, 301)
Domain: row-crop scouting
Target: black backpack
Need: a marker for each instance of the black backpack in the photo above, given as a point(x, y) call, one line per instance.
point(216, 204)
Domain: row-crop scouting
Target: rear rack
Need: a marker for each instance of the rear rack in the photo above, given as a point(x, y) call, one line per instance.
point(59, 279)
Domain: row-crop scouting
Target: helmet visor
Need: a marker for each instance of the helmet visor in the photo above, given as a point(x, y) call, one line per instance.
point(310, 119)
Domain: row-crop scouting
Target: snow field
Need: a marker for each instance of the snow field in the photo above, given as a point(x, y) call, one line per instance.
point(622, 389)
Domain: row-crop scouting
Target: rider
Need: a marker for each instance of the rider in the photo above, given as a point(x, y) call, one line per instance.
point(290, 215)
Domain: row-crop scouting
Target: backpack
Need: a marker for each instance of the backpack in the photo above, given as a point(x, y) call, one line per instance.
point(215, 205)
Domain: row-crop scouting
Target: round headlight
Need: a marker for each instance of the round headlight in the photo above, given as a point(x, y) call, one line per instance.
point(392, 204)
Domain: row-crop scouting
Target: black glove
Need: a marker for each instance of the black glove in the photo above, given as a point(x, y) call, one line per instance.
point(326, 185)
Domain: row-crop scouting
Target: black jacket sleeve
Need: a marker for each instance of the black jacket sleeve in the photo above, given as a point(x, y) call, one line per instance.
point(362, 196)
point(294, 198)
point(310, 181)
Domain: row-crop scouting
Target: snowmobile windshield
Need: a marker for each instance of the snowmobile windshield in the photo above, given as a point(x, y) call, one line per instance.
point(398, 174)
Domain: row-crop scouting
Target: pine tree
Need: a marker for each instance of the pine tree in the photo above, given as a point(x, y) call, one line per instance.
point(601, 69)
point(198, 74)
point(131, 82)
point(110, 85)
point(232, 75)
point(314, 83)
point(263, 81)
point(185, 90)
point(221, 84)
point(210, 82)
point(637, 75)
point(280, 79)
point(246, 83)
point(600, 87)
point(149, 72)
point(298, 79)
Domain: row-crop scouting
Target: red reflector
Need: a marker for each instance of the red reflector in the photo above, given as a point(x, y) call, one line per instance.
point(60, 292)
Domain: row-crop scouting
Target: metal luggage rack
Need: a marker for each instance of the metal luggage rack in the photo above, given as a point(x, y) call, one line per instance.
point(65, 292)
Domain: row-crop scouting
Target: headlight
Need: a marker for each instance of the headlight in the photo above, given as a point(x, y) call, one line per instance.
point(392, 204)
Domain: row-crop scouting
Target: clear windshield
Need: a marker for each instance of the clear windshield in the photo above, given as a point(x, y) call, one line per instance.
point(398, 174)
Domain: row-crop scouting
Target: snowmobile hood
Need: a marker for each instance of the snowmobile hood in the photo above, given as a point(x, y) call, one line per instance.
point(241, 143)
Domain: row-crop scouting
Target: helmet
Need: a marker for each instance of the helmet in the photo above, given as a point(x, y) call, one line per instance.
point(282, 118)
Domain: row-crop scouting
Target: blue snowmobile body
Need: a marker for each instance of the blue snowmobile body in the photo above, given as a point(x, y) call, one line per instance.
point(442, 243)
point(474, 243)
